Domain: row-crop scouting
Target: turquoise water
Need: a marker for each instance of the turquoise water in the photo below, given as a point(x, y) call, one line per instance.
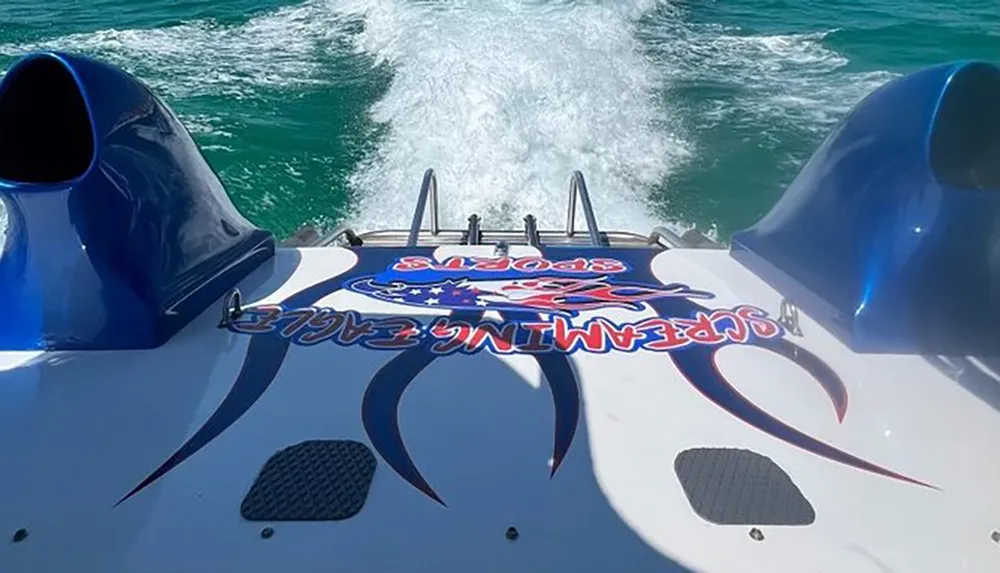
point(693, 113)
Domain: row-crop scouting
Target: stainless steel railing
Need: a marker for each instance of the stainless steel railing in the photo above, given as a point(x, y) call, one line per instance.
point(474, 234)
point(578, 188)
point(428, 191)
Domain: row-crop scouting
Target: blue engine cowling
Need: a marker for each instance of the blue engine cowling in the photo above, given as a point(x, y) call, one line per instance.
point(890, 235)
point(119, 233)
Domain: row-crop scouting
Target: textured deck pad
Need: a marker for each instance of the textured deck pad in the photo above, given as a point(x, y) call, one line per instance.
point(740, 487)
point(317, 480)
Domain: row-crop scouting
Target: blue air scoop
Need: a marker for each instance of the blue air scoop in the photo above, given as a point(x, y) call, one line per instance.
point(890, 235)
point(119, 233)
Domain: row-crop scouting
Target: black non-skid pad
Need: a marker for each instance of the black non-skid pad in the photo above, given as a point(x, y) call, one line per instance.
point(730, 486)
point(316, 480)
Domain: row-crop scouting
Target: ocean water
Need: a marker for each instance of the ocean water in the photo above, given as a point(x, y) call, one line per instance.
point(691, 113)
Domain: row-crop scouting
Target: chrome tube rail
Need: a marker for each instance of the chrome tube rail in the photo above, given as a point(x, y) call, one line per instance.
point(665, 235)
point(578, 187)
point(552, 238)
point(338, 232)
point(474, 234)
point(343, 236)
point(428, 191)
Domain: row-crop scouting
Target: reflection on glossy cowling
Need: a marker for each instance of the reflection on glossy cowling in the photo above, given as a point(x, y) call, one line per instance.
point(890, 234)
point(119, 232)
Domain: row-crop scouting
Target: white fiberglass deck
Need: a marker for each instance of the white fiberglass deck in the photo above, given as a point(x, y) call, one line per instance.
point(82, 430)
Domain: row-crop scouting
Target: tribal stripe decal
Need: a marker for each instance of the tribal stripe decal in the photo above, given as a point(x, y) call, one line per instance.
point(525, 291)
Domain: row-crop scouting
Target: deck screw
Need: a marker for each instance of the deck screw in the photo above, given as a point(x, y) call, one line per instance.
point(995, 536)
point(267, 533)
point(20, 535)
point(512, 533)
point(756, 534)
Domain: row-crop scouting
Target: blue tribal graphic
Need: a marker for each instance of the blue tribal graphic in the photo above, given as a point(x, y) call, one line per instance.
point(688, 332)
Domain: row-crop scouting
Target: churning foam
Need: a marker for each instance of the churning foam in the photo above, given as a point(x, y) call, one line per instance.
point(504, 99)
point(784, 79)
point(203, 57)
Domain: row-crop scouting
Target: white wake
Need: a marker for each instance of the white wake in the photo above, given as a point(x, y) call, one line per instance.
point(504, 100)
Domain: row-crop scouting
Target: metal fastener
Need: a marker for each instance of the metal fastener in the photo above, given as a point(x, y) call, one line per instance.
point(756, 534)
point(788, 316)
point(20, 535)
point(512, 533)
point(267, 533)
point(231, 308)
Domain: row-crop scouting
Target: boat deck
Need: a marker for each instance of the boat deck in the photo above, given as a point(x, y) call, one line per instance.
point(343, 417)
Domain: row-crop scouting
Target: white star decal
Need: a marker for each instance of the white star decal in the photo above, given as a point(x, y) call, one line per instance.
point(415, 291)
point(481, 302)
point(432, 301)
point(436, 290)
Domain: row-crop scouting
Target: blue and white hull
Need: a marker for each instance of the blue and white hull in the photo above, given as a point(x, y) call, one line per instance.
point(180, 393)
